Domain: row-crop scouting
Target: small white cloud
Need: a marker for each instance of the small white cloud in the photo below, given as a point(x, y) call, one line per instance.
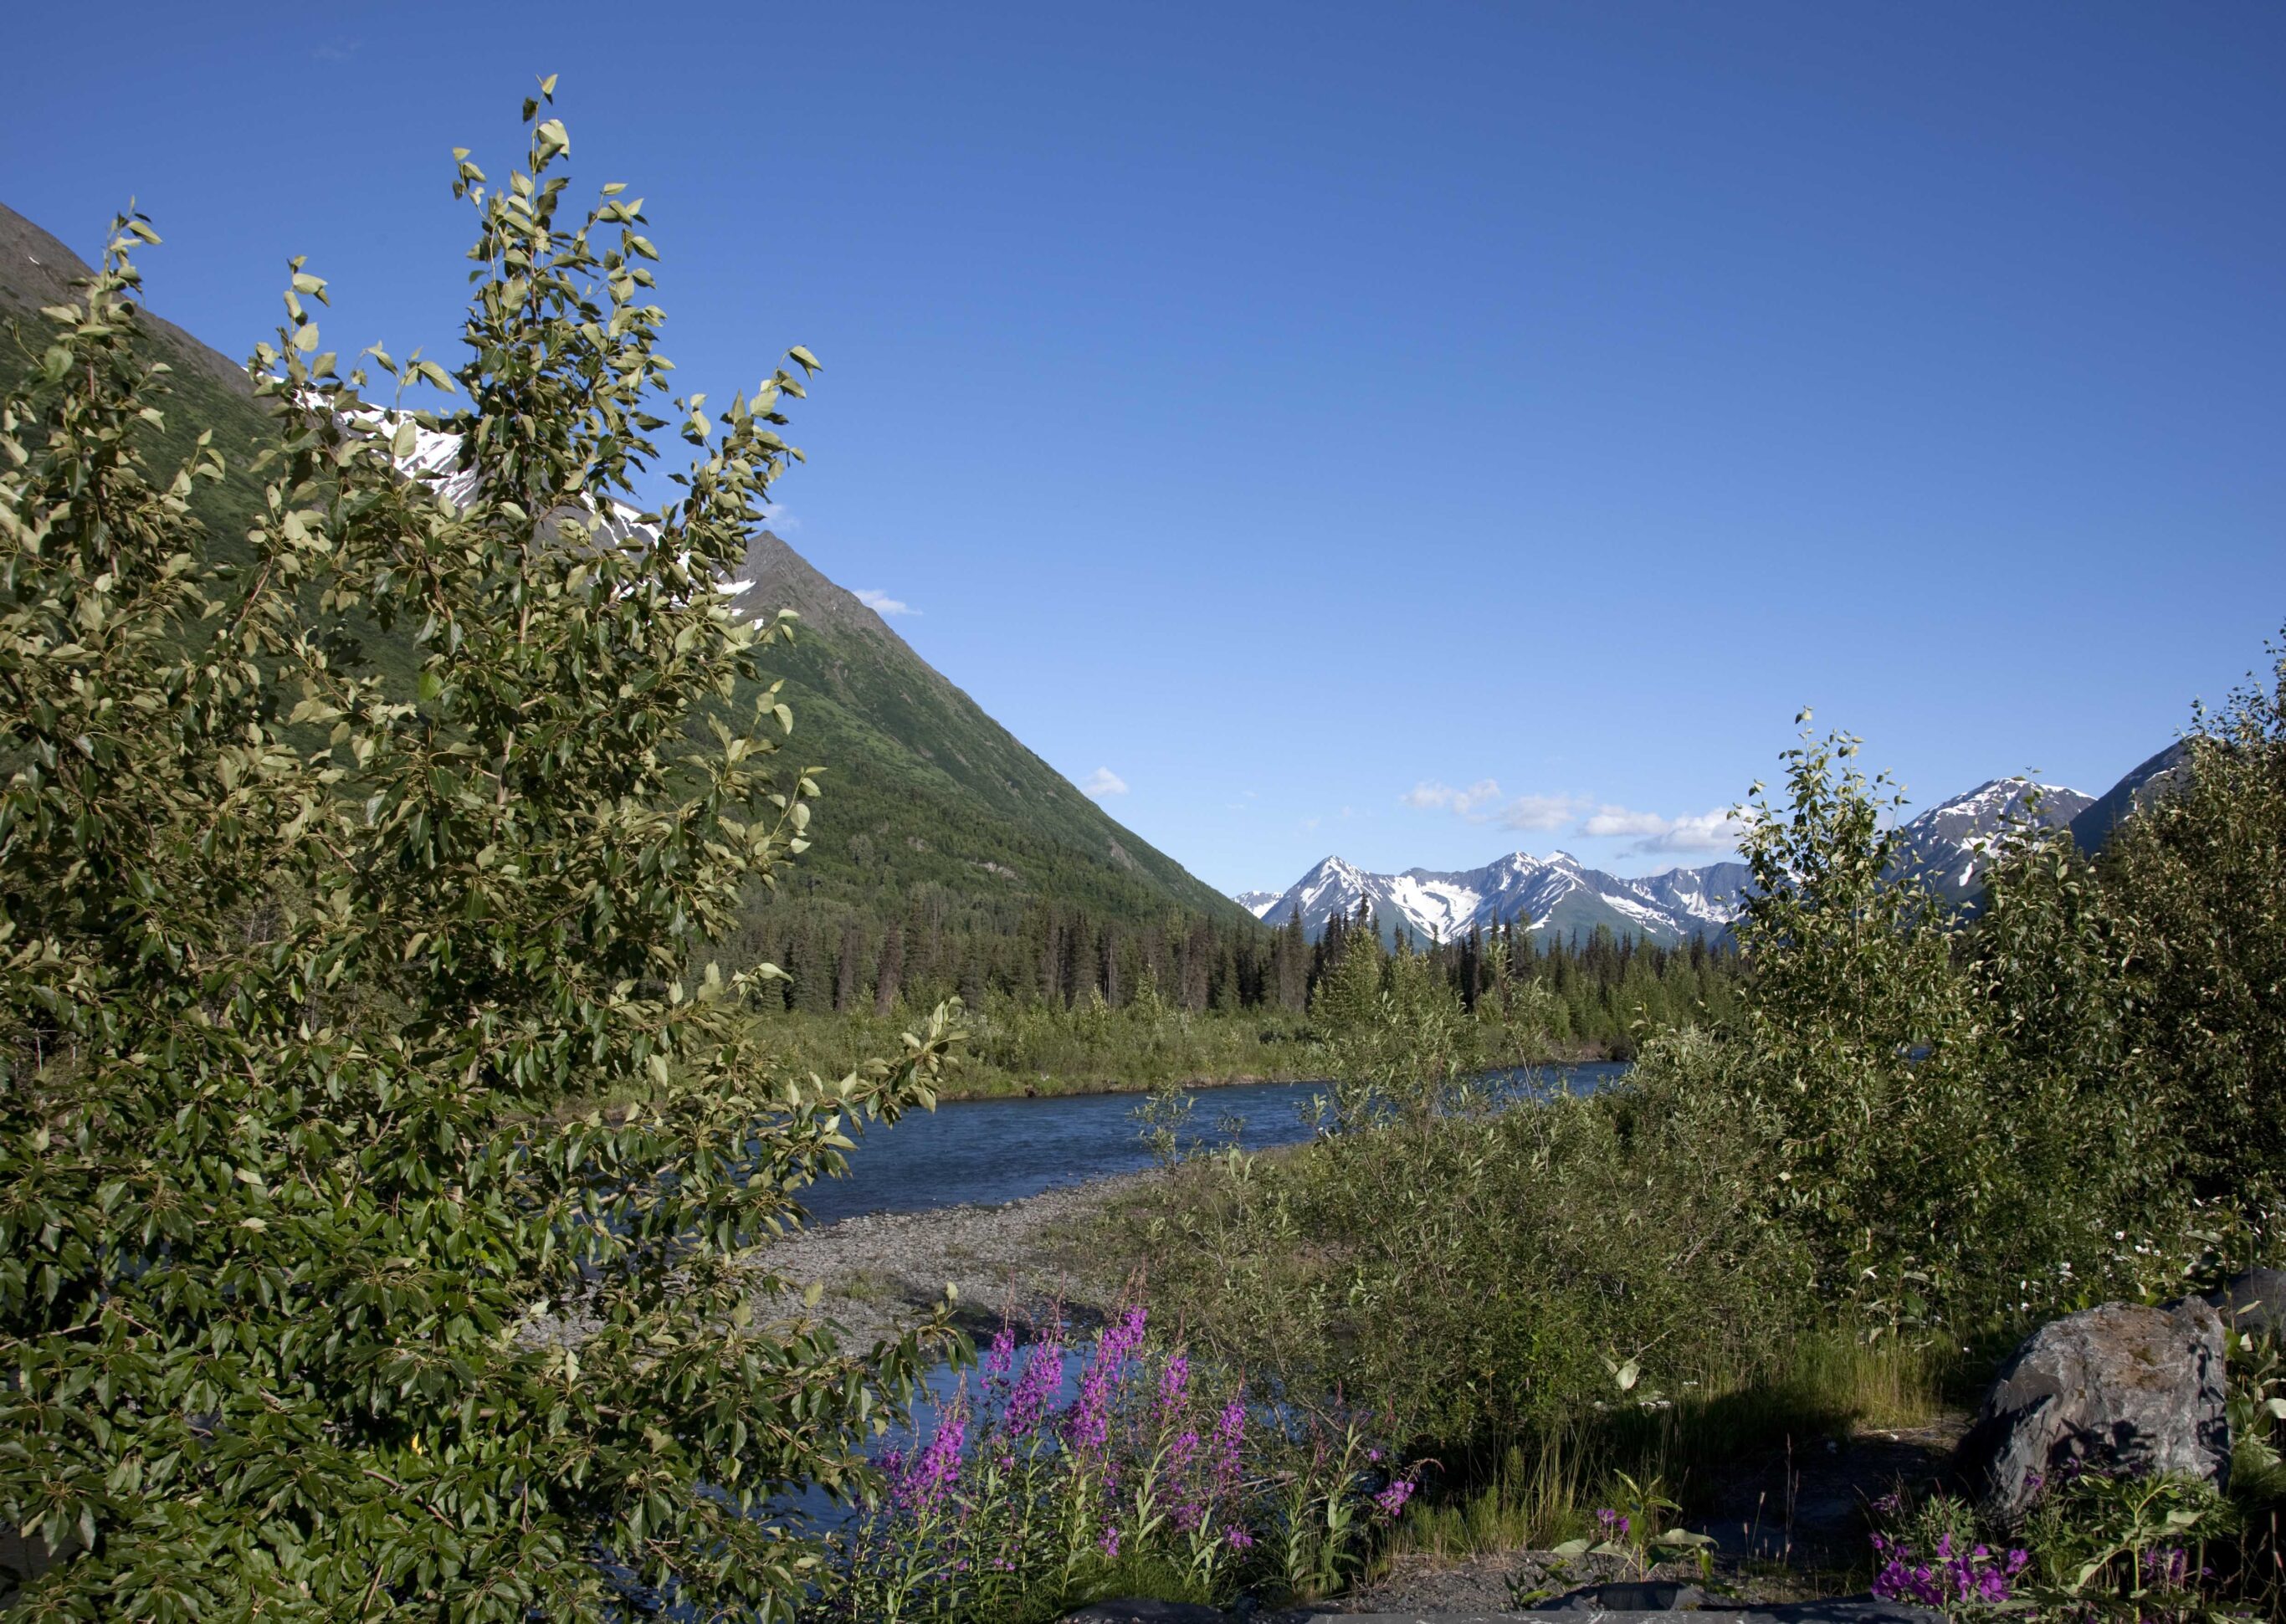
point(1609, 820)
point(882, 604)
point(1694, 831)
point(1103, 782)
point(1537, 812)
point(1482, 803)
point(778, 517)
point(1429, 794)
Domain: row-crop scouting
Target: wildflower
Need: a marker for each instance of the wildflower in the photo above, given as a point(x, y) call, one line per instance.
point(1109, 1543)
point(1229, 1437)
point(1392, 1500)
point(1238, 1537)
point(1615, 1524)
point(1189, 1513)
point(1044, 1374)
point(1087, 1424)
point(923, 1481)
point(1174, 1382)
point(1001, 1356)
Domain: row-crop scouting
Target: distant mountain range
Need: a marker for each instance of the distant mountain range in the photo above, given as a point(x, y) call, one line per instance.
point(1555, 892)
point(1950, 845)
point(922, 788)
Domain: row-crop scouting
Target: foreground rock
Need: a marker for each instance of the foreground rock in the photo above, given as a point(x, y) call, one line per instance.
point(1603, 1609)
point(2120, 1389)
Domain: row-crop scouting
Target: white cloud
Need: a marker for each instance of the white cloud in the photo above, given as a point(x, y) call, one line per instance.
point(1482, 803)
point(1693, 831)
point(1537, 812)
point(1428, 795)
point(1103, 782)
point(778, 517)
point(882, 604)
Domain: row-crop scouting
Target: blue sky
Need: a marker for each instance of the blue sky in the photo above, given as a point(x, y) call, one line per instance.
point(1410, 432)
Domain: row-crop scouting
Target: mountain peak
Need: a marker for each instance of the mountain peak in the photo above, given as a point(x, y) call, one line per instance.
point(782, 579)
point(1555, 894)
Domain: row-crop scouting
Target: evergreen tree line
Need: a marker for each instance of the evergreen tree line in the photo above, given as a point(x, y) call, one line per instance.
point(1594, 989)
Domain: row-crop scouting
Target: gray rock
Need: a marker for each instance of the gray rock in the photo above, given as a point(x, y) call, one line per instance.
point(2253, 1302)
point(1851, 1610)
point(1626, 1598)
point(1141, 1610)
point(2116, 1389)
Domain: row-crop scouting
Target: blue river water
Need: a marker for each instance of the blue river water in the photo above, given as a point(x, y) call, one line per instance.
point(990, 1151)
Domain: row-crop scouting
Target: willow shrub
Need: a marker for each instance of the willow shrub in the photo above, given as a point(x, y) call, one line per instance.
point(315, 1300)
point(1915, 1123)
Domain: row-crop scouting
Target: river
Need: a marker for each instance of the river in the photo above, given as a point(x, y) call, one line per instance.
point(990, 1151)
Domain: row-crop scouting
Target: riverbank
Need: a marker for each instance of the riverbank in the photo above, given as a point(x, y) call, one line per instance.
point(1025, 1259)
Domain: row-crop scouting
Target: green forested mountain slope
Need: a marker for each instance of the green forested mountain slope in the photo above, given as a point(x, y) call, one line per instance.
point(922, 788)
point(207, 390)
point(922, 785)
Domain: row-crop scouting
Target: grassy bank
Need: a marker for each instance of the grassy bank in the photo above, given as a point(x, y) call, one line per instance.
point(1040, 1049)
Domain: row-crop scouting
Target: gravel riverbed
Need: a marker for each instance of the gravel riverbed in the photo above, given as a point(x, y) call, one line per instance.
point(1024, 1257)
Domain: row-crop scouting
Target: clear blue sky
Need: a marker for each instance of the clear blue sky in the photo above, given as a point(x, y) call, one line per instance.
point(1293, 409)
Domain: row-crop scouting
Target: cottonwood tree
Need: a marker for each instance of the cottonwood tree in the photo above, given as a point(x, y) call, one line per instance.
point(323, 1293)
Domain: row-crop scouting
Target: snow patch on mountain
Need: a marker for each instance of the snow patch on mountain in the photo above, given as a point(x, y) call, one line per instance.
point(1553, 893)
point(1952, 844)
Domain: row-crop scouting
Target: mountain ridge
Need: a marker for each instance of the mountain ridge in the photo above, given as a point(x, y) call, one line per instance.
point(922, 788)
point(1950, 846)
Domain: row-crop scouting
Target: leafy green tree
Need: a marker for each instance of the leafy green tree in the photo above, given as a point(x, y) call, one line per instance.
point(2196, 884)
point(322, 1294)
point(1859, 1058)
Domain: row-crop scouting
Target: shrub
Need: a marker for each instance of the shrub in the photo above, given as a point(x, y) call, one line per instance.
point(322, 1295)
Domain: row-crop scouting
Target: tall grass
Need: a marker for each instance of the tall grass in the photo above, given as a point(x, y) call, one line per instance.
point(1544, 1488)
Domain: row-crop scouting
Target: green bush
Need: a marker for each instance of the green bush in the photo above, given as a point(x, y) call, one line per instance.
point(314, 1301)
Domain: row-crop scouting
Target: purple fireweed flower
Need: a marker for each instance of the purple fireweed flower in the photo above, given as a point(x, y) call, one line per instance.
point(1238, 1537)
point(1087, 1424)
point(1392, 1500)
point(1950, 1579)
point(922, 1481)
point(1174, 1382)
point(1110, 1543)
point(1229, 1439)
point(1028, 1400)
point(1001, 1357)
point(1190, 1512)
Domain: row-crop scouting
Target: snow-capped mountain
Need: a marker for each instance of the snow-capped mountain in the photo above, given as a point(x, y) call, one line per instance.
point(1952, 843)
point(1555, 892)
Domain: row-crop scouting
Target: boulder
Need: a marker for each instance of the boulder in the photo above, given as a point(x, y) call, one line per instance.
point(1141, 1610)
point(2253, 1302)
point(1626, 1598)
point(2119, 1389)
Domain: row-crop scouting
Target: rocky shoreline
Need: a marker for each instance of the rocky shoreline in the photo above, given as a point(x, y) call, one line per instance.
point(1023, 1259)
